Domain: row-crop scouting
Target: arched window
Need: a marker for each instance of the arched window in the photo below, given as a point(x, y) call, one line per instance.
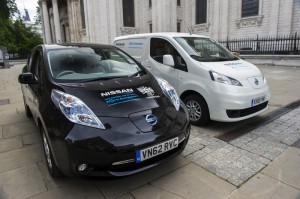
point(128, 13)
point(82, 14)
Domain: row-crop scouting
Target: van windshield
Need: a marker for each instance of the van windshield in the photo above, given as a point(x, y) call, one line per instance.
point(90, 64)
point(205, 49)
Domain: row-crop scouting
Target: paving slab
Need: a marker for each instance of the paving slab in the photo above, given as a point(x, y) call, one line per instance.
point(262, 187)
point(149, 191)
point(13, 119)
point(20, 128)
point(118, 187)
point(191, 181)
point(285, 168)
point(10, 144)
point(72, 189)
point(126, 196)
point(21, 183)
point(1, 132)
point(18, 158)
point(32, 138)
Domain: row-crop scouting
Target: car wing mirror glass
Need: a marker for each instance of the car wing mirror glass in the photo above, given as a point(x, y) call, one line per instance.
point(168, 60)
point(27, 78)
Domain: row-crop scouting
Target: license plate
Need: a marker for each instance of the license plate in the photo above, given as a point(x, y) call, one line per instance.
point(257, 101)
point(156, 150)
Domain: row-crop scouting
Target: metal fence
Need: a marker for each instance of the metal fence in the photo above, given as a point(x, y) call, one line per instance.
point(284, 45)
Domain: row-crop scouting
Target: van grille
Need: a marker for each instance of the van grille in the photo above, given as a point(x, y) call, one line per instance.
point(247, 111)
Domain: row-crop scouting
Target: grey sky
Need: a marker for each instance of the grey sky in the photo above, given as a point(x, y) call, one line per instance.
point(30, 5)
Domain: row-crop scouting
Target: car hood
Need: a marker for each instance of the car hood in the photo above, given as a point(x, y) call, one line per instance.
point(238, 69)
point(120, 97)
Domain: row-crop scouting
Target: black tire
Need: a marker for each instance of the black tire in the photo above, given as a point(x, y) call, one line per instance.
point(27, 109)
point(51, 165)
point(198, 110)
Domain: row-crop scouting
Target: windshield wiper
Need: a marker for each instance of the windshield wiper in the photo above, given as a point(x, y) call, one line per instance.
point(102, 78)
point(137, 73)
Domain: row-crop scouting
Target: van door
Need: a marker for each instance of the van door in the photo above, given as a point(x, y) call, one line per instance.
point(158, 48)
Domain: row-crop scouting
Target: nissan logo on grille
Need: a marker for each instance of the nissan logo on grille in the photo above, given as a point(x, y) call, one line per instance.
point(256, 81)
point(151, 119)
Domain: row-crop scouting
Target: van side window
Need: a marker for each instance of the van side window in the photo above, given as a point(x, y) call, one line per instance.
point(161, 47)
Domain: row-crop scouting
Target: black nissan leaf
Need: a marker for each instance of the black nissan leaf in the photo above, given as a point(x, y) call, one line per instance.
point(99, 112)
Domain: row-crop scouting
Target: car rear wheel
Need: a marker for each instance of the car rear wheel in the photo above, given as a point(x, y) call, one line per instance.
point(27, 109)
point(51, 165)
point(198, 110)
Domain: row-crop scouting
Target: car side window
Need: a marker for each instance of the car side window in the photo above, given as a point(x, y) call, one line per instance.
point(35, 65)
point(160, 47)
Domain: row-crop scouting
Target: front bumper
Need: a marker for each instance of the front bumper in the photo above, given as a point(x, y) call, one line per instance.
point(227, 106)
point(111, 152)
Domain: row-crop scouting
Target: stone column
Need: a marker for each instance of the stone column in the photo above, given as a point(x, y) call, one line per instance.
point(42, 21)
point(56, 21)
point(216, 18)
point(76, 20)
point(46, 22)
point(287, 17)
point(71, 28)
point(274, 14)
point(224, 19)
point(52, 28)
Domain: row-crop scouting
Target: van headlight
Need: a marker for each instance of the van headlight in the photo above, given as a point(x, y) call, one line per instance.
point(170, 92)
point(217, 77)
point(75, 110)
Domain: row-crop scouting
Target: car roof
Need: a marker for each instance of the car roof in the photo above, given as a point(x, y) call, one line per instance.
point(160, 34)
point(74, 45)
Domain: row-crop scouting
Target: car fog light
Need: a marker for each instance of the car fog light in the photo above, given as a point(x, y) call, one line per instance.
point(82, 167)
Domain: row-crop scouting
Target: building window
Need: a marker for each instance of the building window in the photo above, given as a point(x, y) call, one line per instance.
point(128, 13)
point(150, 3)
point(150, 27)
point(82, 14)
point(178, 2)
point(201, 11)
point(250, 8)
point(178, 27)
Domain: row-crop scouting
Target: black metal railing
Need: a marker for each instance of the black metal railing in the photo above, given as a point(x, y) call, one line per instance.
point(284, 45)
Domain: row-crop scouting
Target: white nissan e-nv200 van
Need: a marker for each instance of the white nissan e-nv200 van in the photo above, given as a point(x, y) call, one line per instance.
point(212, 82)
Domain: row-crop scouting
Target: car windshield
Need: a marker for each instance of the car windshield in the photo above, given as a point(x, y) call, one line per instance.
point(205, 49)
point(89, 64)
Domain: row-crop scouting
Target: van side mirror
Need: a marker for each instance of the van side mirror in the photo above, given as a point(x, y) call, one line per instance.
point(168, 60)
point(27, 78)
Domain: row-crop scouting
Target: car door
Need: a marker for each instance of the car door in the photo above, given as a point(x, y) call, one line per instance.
point(158, 48)
point(35, 90)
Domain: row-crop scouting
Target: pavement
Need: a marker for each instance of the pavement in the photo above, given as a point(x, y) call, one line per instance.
point(259, 163)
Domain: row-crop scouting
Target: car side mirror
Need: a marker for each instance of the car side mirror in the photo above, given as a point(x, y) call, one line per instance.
point(168, 60)
point(27, 78)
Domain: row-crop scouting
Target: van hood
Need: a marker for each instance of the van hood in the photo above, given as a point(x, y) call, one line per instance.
point(238, 69)
point(120, 97)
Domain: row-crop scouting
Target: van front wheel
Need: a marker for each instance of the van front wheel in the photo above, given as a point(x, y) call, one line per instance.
point(198, 110)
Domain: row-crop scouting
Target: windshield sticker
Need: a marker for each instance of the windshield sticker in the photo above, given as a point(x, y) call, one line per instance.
point(128, 95)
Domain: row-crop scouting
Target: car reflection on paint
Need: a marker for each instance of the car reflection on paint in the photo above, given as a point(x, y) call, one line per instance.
point(100, 112)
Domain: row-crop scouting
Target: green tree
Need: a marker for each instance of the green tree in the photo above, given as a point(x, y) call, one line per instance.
point(8, 9)
point(13, 33)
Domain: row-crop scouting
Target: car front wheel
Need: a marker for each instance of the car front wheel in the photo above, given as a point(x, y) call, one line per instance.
point(198, 110)
point(52, 167)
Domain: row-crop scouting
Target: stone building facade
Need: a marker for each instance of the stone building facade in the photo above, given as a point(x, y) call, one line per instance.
point(100, 21)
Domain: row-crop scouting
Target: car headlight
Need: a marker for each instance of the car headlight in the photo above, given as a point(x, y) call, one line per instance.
point(170, 92)
point(75, 110)
point(224, 79)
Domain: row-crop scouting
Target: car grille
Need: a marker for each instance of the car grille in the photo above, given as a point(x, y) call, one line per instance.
point(247, 111)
